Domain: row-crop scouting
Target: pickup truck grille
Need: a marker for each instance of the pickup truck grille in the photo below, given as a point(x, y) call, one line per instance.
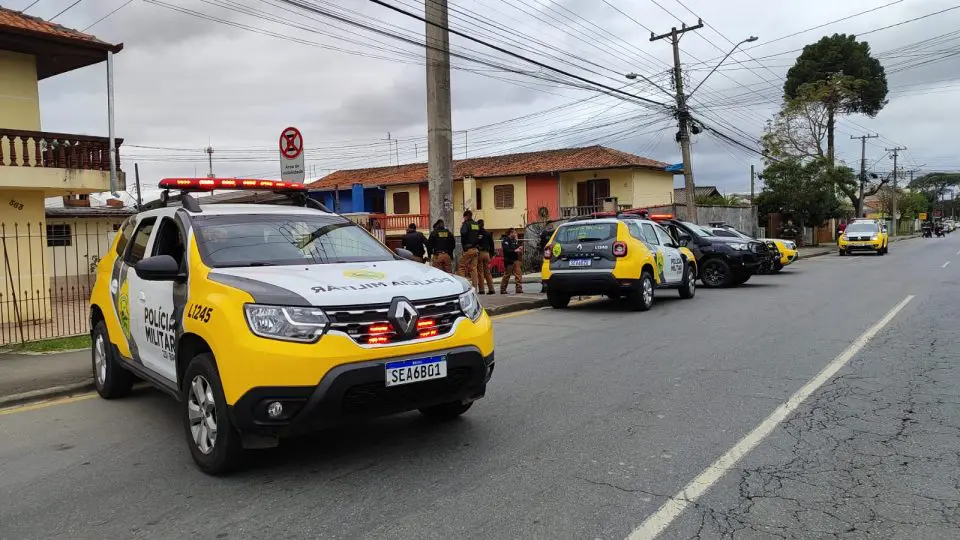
point(363, 322)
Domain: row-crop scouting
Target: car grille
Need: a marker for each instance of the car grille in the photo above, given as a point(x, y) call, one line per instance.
point(858, 238)
point(357, 321)
point(759, 248)
point(373, 398)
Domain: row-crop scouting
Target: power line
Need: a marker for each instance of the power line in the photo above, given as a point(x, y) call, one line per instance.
point(101, 19)
point(66, 9)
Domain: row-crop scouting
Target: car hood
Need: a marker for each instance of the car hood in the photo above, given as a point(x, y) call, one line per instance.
point(729, 240)
point(345, 284)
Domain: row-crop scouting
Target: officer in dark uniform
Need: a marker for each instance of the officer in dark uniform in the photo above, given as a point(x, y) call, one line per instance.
point(414, 242)
point(470, 242)
point(440, 247)
point(485, 245)
point(512, 250)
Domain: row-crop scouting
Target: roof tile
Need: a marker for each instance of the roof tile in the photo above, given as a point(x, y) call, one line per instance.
point(21, 21)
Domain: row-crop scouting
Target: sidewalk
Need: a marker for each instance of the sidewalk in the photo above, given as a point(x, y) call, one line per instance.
point(27, 377)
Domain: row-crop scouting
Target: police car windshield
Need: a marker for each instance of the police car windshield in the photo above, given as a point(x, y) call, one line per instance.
point(861, 228)
point(586, 232)
point(269, 240)
point(697, 230)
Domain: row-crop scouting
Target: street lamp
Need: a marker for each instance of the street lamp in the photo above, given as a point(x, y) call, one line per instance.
point(735, 47)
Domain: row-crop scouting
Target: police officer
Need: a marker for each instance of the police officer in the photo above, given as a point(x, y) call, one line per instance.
point(414, 242)
point(485, 245)
point(511, 261)
point(469, 241)
point(440, 247)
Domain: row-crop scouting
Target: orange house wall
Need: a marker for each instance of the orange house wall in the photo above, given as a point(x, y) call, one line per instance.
point(542, 190)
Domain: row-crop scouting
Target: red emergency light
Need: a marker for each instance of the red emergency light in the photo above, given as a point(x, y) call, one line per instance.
point(210, 184)
point(657, 217)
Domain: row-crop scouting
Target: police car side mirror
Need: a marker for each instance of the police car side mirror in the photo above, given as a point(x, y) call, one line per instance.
point(405, 254)
point(159, 268)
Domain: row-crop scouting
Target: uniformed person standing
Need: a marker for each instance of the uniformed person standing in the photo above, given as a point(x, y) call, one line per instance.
point(485, 245)
point(440, 247)
point(511, 261)
point(469, 241)
point(414, 242)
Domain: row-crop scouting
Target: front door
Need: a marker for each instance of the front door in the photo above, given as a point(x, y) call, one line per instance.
point(672, 261)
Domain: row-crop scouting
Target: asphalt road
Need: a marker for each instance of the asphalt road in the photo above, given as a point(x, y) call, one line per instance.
point(595, 418)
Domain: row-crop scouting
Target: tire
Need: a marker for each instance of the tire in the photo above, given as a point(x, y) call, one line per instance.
point(109, 377)
point(716, 274)
point(740, 279)
point(689, 287)
point(201, 384)
point(445, 411)
point(641, 297)
point(880, 252)
point(842, 253)
point(558, 300)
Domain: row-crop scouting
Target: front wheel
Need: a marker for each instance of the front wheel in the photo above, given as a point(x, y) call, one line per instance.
point(716, 273)
point(558, 300)
point(214, 443)
point(689, 287)
point(109, 377)
point(842, 253)
point(641, 297)
point(445, 411)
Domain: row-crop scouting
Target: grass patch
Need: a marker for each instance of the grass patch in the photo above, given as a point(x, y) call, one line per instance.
point(51, 345)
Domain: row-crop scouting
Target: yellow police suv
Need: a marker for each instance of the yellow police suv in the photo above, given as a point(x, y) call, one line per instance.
point(623, 255)
point(864, 235)
point(268, 320)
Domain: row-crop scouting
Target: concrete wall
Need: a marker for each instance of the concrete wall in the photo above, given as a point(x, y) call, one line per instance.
point(651, 187)
point(743, 218)
point(55, 181)
point(19, 96)
point(634, 187)
point(496, 219)
point(22, 256)
point(543, 191)
point(71, 268)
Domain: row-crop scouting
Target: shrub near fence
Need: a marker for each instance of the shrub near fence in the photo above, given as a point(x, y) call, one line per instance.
point(46, 274)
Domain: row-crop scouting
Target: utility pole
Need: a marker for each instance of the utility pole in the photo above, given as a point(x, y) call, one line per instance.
point(896, 152)
point(683, 115)
point(439, 121)
point(209, 152)
point(753, 176)
point(136, 176)
point(863, 167)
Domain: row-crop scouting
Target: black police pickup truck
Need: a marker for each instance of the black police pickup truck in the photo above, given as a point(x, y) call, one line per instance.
point(722, 261)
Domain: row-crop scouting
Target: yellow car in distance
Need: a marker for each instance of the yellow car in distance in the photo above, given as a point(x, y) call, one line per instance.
point(620, 256)
point(787, 248)
point(864, 235)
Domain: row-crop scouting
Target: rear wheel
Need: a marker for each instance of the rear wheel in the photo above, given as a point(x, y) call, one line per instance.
point(558, 300)
point(740, 279)
point(689, 287)
point(641, 297)
point(716, 273)
point(445, 411)
point(214, 443)
point(110, 379)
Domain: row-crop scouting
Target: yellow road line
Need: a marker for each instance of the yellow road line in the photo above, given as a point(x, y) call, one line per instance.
point(44, 404)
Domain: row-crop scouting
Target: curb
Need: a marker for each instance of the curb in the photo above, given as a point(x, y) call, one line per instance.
point(40, 353)
point(519, 306)
point(46, 393)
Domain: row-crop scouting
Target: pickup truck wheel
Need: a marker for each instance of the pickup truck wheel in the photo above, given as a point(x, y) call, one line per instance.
point(740, 279)
point(716, 273)
point(109, 377)
point(689, 287)
point(445, 411)
point(558, 300)
point(641, 297)
point(214, 443)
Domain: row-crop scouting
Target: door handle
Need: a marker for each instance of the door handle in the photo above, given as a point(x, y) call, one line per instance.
point(142, 298)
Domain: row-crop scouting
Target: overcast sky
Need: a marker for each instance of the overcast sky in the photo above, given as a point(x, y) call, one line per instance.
point(183, 81)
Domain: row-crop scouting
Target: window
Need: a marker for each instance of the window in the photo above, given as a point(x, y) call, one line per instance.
point(59, 235)
point(126, 231)
point(277, 240)
point(116, 227)
point(401, 202)
point(724, 232)
point(594, 232)
point(169, 241)
point(650, 234)
point(635, 231)
point(138, 246)
point(503, 196)
point(593, 192)
point(664, 237)
point(479, 200)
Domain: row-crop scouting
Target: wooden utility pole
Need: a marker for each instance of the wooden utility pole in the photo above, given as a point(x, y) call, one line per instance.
point(683, 115)
point(896, 152)
point(439, 121)
point(863, 168)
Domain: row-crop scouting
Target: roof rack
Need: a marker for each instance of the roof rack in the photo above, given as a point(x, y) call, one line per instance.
point(296, 193)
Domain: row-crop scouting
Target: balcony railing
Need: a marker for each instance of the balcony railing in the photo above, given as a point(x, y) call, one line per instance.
point(19, 148)
point(390, 222)
point(578, 211)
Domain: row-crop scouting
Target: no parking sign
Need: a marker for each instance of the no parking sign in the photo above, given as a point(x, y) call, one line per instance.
point(291, 156)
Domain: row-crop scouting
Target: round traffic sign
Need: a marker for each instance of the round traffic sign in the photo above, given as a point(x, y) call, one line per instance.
point(291, 143)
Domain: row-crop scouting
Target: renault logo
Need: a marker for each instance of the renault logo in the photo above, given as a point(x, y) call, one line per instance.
point(403, 316)
point(579, 247)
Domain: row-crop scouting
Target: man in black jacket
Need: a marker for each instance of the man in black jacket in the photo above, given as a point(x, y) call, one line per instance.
point(440, 247)
point(469, 241)
point(512, 250)
point(414, 242)
point(485, 245)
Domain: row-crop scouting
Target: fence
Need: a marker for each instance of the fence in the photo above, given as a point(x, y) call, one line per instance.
point(46, 274)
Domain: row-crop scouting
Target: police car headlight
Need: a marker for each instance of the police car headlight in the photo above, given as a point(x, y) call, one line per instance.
point(303, 324)
point(874, 237)
point(740, 247)
point(470, 305)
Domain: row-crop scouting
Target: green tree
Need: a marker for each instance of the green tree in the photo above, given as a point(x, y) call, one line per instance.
point(801, 191)
point(936, 185)
point(720, 200)
point(846, 64)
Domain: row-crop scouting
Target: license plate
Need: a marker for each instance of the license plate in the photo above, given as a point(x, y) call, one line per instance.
point(411, 371)
point(581, 262)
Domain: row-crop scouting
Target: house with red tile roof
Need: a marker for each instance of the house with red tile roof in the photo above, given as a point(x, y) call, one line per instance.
point(505, 191)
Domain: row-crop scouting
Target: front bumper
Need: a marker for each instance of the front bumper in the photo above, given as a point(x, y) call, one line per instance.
point(588, 284)
point(860, 246)
point(356, 391)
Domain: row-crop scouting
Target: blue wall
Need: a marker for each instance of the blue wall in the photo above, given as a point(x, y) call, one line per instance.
point(356, 199)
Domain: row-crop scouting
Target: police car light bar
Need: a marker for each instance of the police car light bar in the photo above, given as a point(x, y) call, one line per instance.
point(661, 216)
point(210, 184)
